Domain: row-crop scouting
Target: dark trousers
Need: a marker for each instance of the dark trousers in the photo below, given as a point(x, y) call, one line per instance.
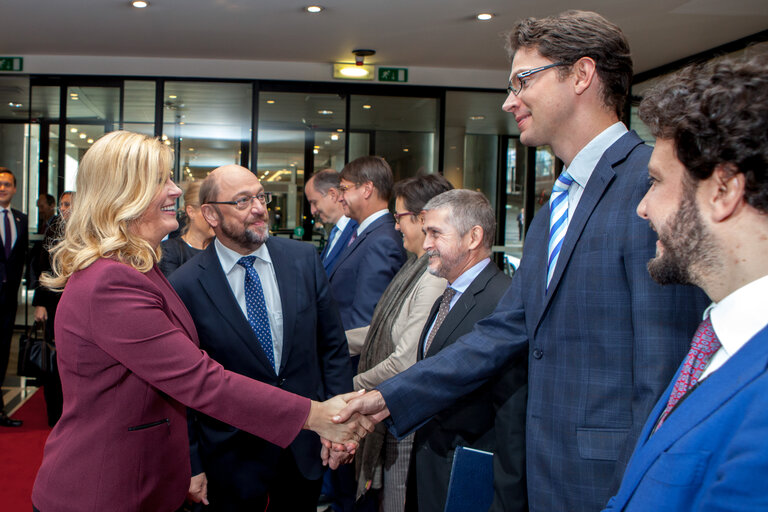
point(290, 492)
point(7, 321)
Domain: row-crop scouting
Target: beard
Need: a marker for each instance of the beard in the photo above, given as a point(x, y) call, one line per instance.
point(687, 247)
point(446, 262)
point(244, 237)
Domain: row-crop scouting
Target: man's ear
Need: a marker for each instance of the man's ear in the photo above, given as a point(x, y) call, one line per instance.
point(334, 193)
point(725, 193)
point(475, 237)
point(584, 72)
point(368, 189)
point(210, 215)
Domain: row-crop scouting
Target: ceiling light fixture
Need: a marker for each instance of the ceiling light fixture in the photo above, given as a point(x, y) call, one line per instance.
point(325, 112)
point(172, 96)
point(140, 4)
point(314, 9)
point(476, 118)
point(270, 102)
point(82, 135)
point(334, 136)
point(357, 71)
point(90, 141)
point(367, 107)
point(485, 16)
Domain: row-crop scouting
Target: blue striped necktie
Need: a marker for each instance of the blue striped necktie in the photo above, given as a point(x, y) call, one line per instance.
point(558, 220)
point(256, 307)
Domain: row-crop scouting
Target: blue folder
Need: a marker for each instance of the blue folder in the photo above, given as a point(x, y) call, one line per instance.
point(471, 486)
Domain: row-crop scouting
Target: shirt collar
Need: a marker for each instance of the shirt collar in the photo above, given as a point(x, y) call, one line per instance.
point(464, 280)
point(370, 220)
point(342, 222)
point(738, 317)
point(586, 160)
point(229, 258)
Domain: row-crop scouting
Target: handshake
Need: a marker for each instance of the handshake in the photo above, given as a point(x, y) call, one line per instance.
point(342, 421)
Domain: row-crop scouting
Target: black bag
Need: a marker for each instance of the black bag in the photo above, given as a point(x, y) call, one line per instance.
point(37, 357)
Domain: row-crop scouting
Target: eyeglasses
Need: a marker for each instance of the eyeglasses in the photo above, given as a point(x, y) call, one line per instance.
point(344, 188)
point(518, 81)
point(399, 216)
point(245, 202)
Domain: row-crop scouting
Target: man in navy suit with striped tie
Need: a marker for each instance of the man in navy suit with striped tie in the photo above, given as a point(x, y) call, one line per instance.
point(322, 192)
point(603, 339)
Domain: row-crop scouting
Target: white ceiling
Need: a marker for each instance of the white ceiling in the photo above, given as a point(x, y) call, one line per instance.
point(433, 33)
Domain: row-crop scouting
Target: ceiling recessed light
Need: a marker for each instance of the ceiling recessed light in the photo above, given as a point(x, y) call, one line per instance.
point(477, 118)
point(316, 151)
point(325, 112)
point(172, 96)
point(191, 149)
point(314, 9)
point(367, 107)
point(405, 150)
point(90, 141)
point(73, 130)
point(485, 16)
point(334, 137)
point(270, 102)
point(140, 4)
point(82, 135)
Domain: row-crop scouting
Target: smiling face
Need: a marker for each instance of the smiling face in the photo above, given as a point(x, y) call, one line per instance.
point(352, 199)
point(447, 249)
point(159, 218)
point(543, 105)
point(685, 248)
point(7, 189)
point(245, 230)
point(410, 226)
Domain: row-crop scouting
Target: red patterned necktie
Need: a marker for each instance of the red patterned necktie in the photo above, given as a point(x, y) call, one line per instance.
point(703, 347)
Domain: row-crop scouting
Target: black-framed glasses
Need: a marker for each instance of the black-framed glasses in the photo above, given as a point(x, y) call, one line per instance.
point(518, 81)
point(244, 202)
point(399, 216)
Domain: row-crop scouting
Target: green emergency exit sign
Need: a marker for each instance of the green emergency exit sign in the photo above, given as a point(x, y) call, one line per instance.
point(11, 63)
point(393, 74)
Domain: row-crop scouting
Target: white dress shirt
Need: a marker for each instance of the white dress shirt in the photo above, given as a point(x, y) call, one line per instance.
point(236, 278)
point(340, 225)
point(369, 220)
point(736, 319)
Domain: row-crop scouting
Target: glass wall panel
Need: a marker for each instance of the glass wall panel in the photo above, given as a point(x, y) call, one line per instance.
point(292, 125)
point(94, 105)
point(78, 138)
point(208, 124)
point(402, 130)
point(14, 98)
point(139, 106)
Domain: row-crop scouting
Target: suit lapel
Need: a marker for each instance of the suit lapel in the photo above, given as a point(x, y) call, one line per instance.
point(598, 183)
point(177, 307)
point(462, 308)
point(359, 240)
point(341, 244)
point(287, 286)
point(740, 370)
point(214, 284)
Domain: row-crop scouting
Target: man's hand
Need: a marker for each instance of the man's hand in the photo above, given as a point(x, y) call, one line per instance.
point(371, 404)
point(322, 419)
point(198, 489)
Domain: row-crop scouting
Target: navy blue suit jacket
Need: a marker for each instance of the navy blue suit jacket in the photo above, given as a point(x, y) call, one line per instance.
point(365, 269)
point(603, 342)
point(710, 453)
point(315, 360)
point(330, 259)
point(11, 268)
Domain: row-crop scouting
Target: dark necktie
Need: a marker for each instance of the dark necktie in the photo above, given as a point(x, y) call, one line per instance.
point(442, 312)
point(7, 241)
point(703, 347)
point(257, 307)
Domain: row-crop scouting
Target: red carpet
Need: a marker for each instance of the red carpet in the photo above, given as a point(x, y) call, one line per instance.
point(21, 451)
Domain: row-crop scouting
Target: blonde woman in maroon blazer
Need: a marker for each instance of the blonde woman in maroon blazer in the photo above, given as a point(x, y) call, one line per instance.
point(128, 351)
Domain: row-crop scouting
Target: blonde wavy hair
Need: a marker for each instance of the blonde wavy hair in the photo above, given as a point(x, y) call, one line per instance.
point(117, 179)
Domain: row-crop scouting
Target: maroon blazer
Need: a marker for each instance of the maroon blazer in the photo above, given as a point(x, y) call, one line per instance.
point(130, 363)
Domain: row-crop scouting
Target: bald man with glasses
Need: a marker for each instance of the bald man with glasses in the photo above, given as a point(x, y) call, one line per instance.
point(262, 308)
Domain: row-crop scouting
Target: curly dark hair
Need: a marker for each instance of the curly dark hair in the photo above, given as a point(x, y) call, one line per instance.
point(716, 113)
point(571, 35)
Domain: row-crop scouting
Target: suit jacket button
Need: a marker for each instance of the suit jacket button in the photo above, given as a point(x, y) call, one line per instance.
point(537, 353)
point(281, 382)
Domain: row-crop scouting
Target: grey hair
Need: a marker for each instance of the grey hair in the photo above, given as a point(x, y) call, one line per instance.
point(468, 209)
point(325, 180)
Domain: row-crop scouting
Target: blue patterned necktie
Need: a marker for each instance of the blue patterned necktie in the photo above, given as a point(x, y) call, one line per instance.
point(331, 238)
point(558, 220)
point(257, 307)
